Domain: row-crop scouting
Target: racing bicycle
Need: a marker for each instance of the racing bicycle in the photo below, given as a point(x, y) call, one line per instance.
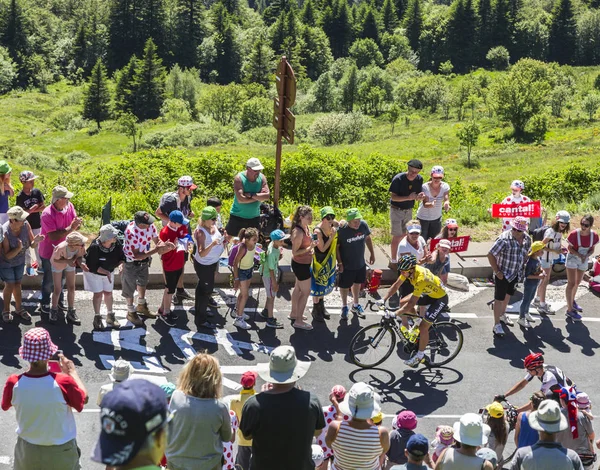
point(373, 344)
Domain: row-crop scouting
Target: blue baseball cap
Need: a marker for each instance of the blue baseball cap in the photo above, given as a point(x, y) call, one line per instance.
point(277, 235)
point(417, 445)
point(128, 415)
point(177, 217)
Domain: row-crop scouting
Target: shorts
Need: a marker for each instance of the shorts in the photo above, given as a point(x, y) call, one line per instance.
point(245, 274)
point(574, 262)
point(301, 271)
point(171, 280)
point(68, 269)
point(59, 457)
point(268, 286)
point(97, 283)
point(352, 276)
point(134, 274)
point(546, 264)
point(398, 219)
point(235, 224)
point(12, 275)
point(502, 288)
point(435, 306)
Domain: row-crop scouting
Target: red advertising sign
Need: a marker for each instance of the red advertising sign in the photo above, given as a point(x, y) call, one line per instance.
point(458, 243)
point(524, 209)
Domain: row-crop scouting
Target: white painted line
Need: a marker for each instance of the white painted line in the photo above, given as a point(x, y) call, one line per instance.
point(123, 339)
point(4, 460)
point(231, 384)
point(151, 364)
point(183, 339)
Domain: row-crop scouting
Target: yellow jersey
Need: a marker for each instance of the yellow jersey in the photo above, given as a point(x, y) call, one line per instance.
point(425, 283)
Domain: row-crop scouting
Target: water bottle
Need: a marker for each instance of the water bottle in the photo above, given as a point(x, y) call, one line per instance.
point(405, 332)
point(413, 334)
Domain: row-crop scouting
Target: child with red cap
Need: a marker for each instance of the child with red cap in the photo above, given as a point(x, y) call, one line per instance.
point(244, 453)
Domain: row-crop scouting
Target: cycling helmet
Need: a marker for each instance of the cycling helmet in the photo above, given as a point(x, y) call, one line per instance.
point(407, 262)
point(563, 216)
point(533, 360)
point(518, 184)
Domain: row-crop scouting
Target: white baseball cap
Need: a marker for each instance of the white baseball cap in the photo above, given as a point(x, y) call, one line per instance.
point(254, 164)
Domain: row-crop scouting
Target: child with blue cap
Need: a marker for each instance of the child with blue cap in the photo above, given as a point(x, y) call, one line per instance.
point(269, 269)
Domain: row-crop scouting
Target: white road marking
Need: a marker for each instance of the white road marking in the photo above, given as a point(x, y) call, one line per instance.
point(151, 364)
point(124, 339)
point(5, 460)
point(183, 339)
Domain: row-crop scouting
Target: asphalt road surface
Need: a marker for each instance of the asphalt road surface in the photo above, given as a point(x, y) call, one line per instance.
point(485, 366)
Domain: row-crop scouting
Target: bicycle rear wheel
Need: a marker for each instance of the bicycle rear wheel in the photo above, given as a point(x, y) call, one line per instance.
point(445, 342)
point(372, 345)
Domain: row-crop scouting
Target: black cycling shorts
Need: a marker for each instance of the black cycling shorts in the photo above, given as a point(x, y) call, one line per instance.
point(435, 307)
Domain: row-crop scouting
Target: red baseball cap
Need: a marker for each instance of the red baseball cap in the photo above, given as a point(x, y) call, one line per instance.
point(248, 379)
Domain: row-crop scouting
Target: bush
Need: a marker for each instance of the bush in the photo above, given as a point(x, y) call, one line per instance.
point(573, 184)
point(78, 155)
point(498, 57)
point(256, 112)
point(537, 127)
point(8, 71)
point(176, 109)
point(590, 104)
point(597, 82)
point(333, 129)
point(190, 135)
point(67, 120)
point(262, 135)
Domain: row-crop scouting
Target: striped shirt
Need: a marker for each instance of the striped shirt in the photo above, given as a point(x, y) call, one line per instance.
point(356, 449)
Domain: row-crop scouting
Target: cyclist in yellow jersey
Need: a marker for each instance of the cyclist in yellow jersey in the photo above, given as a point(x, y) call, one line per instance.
point(429, 292)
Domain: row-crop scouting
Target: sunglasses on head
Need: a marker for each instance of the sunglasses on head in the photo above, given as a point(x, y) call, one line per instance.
point(585, 225)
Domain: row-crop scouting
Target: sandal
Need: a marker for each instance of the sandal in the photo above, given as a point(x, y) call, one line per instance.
point(7, 317)
point(303, 326)
point(24, 314)
point(304, 318)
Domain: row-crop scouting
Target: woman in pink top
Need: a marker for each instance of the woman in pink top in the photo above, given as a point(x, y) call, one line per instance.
point(302, 255)
point(582, 243)
point(67, 255)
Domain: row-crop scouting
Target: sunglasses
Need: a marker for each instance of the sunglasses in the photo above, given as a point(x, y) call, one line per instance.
point(585, 225)
point(214, 220)
point(518, 231)
point(452, 229)
point(439, 178)
point(330, 217)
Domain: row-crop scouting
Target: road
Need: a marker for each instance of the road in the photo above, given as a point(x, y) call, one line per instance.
point(485, 366)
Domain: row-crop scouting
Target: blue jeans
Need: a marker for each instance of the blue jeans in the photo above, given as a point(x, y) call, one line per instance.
point(48, 283)
point(529, 289)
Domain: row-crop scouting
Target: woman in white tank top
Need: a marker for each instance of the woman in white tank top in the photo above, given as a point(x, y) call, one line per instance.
point(358, 444)
point(209, 247)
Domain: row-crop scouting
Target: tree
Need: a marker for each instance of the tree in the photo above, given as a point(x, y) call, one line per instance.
point(259, 64)
point(189, 32)
point(122, 32)
point(563, 33)
point(315, 53)
point(323, 91)
point(588, 37)
point(590, 104)
point(129, 125)
point(559, 97)
point(486, 25)
point(337, 25)
point(503, 30)
point(8, 72)
point(393, 115)
point(462, 23)
point(349, 86)
point(227, 62)
point(366, 52)
point(370, 26)
point(389, 16)
point(468, 136)
point(413, 23)
point(522, 93)
point(223, 103)
point(149, 81)
point(125, 90)
point(96, 98)
point(309, 15)
point(15, 39)
point(374, 90)
point(498, 57)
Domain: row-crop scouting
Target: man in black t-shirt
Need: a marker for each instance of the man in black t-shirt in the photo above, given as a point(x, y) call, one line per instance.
point(282, 420)
point(32, 200)
point(405, 189)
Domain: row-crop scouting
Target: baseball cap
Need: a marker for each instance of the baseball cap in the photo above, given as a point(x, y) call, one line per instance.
point(413, 228)
point(177, 217)
point(495, 410)
point(406, 420)
point(445, 243)
point(488, 454)
point(248, 379)
point(535, 247)
point(4, 167)
point(327, 210)
point(26, 176)
point(417, 445)
point(128, 415)
point(563, 216)
point(209, 213)
point(517, 184)
point(254, 164)
point(37, 345)
point(75, 238)
point(353, 214)
point(277, 235)
point(339, 391)
point(107, 232)
point(59, 192)
point(186, 182)
point(142, 217)
point(415, 164)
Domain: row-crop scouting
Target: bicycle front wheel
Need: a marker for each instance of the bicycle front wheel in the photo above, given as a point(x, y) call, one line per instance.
point(445, 342)
point(372, 345)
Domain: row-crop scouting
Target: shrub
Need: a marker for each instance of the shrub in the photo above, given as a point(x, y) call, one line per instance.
point(190, 135)
point(262, 135)
point(8, 71)
point(597, 82)
point(78, 155)
point(333, 129)
point(590, 104)
point(537, 127)
point(256, 112)
point(67, 120)
point(498, 57)
point(176, 109)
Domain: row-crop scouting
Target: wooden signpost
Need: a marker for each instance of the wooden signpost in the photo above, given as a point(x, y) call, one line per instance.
point(283, 119)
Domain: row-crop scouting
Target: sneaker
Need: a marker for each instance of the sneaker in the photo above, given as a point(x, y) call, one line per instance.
point(97, 323)
point(144, 311)
point(240, 322)
point(176, 300)
point(30, 271)
point(498, 331)
point(273, 323)
point(576, 307)
point(184, 295)
point(264, 314)
point(39, 270)
point(545, 309)
point(359, 311)
point(573, 315)
point(536, 303)
point(524, 323)
point(414, 361)
point(134, 319)
point(529, 318)
point(53, 315)
point(212, 303)
point(45, 308)
point(345, 313)
point(316, 313)
point(168, 318)
point(506, 320)
point(112, 321)
point(72, 317)
point(209, 325)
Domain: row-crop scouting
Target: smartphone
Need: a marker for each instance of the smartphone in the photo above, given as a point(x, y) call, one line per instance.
point(314, 237)
point(53, 362)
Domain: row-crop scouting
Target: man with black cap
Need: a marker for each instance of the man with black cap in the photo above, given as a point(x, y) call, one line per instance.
point(136, 247)
point(133, 421)
point(405, 189)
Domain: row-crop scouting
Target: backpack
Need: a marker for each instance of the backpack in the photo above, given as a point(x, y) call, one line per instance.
point(121, 226)
point(258, 256)
point(270, 219)
point(538, 234)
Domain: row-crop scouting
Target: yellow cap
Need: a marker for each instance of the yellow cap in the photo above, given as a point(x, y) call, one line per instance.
point(535, 247)
point(495, 410)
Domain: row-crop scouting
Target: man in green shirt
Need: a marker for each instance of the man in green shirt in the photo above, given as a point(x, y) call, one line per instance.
point(133, 418)
point(250, 188)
